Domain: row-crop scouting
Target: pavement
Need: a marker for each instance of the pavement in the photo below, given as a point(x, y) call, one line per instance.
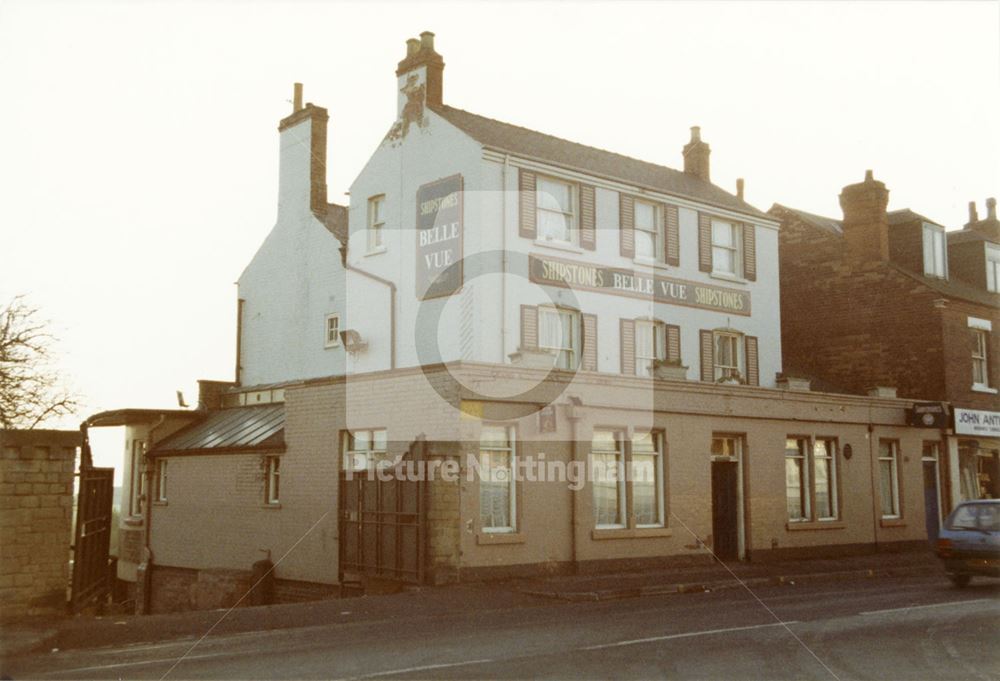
point(31, 636)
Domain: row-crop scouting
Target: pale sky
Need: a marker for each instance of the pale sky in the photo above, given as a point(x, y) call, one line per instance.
point(139, 144)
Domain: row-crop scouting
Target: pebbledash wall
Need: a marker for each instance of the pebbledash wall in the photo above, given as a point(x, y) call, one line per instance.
point(483, 361)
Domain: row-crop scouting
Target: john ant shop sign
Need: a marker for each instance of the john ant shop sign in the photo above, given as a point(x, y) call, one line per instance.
point(973, 422)
point(439, 238)
point(582, 276)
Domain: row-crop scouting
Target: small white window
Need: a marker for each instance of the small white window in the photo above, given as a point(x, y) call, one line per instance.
point(888, 465)
point(272, 480)
point(332, 330)
point(559, 331)
point(607, 460)
point(161, 480)
point(729, 357)
point(824, 464)
point(650, 345)
point(726, 248)
point(980, 366)
point(648, 239)
point(376, 224)
point(935, 252)
point(497, 492)
point(364, 449)
point(992, 268)
point(556, 213)
point(646, 482)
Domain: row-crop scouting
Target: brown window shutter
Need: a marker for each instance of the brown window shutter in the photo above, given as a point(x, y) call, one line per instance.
point(529, 327)
point(528, 227)
point(753, 369)
point(673, 343)
point(628, 347)
point(588, 218)
point(626, 225)
point(672, 234)
point(707, 356)
point(750, 252)
point(704, 242)
point(589, 342)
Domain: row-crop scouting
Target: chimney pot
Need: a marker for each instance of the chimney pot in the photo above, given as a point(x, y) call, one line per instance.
point(973, 213)
point(695, 133)
point(991, 208)
point(297, 98)
point(869, 176)
point(427, 41)
point(412, 47)
point(739, 188)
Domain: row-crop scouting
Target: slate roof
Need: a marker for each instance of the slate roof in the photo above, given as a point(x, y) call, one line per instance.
point(826, 224)
point(240, 428)
point(531, 144)
point(905, 215)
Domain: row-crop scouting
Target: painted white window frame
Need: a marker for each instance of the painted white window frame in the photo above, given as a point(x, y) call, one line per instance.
point(652, 232)
point(619, 453)
point(272, 480)
point(376, 224)
point(510, 436)
point(657, 330)
point(160, 486)
point(893, 459)
point(832, 472)
point(935, 251)
point(567, 351)
point(370, 453)
point(735, 249)
point(800, 454)
point(332, 324)
point(980, 358)
point(571, 216)
point(136, 491)
point(992, 268)
point(658, 489)
point(721, 371)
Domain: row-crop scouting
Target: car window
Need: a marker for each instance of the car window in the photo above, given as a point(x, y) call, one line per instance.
point(989, 518)
point(964, 518)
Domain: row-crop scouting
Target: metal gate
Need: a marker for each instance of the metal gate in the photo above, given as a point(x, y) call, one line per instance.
point(382, 526)
point(92, 537)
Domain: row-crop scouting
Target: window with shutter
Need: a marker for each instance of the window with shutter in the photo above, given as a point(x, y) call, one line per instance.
point(588, 218)
point(673, 343)
point(528, 227)
point(626, 226)
point(650, 345)
point(672, 242)
point(704, 242)
point(589, 342)
point(529, 327)
point(707, 356)
point(627, 338)
point(753, 369)
point(750, 252)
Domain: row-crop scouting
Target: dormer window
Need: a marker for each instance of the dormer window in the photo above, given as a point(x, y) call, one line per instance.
point(993, 268)
point(935, 252)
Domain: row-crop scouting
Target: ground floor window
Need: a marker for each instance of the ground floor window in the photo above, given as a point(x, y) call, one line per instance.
point(607, 459)
point(497, 493)
point(978, 471)
point(647, 480)
point(888, 466)
point(160, 482)
point(811, 479)
point(641, 489)
point(363, 449)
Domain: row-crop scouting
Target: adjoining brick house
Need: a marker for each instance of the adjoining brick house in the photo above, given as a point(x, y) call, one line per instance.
point(499, 293)
point(892, 298)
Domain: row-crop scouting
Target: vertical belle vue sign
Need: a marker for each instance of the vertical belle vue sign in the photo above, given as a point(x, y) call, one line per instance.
point(439, 238)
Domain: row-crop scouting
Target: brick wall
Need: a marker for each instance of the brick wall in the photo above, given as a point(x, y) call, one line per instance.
point(36, 506)
point(958, 351)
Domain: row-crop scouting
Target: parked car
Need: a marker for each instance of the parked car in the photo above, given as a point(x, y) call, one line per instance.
point(969, 543)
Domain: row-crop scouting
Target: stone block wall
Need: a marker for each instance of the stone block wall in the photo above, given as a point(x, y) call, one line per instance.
point(36, 508)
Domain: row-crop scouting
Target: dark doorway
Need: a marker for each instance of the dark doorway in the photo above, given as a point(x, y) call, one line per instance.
point(91, 575)
point(725, 510)
point(932, 509)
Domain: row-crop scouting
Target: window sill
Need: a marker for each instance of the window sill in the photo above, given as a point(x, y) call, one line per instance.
point(376, 251)
point(892, 522)
point(731, 278)
point(133, 520)
point(559, 246)
point(273, 505)
point(653, 264)
point(160, 502)
point(331, 346)
point(631, 533)
point(492, 538)
point(793, 526)
point(980, 388)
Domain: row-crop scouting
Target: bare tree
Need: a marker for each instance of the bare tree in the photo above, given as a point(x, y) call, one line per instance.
point(30, 389)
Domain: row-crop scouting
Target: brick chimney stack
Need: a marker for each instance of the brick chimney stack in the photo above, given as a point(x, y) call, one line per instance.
point(302, 158)
point(866, 221)
point(973, 214)
point(422, 66)
point(696, 155)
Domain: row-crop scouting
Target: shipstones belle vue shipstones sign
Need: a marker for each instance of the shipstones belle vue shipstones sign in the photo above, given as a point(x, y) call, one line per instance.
point(439, 238)
point(587, 277)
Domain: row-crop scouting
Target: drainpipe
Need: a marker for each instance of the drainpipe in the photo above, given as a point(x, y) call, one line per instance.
point(503, 261)
point(573, 416)
point(147, 557)
point(876, 503)
point(392, 301)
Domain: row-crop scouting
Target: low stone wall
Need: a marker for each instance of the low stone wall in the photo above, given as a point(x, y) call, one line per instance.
point(177, 589)
point(36, 507)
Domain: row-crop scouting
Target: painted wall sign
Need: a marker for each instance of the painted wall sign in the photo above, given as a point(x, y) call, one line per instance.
point(927, 415)
point(974, 422)
point(439, 238)
point(588, 277)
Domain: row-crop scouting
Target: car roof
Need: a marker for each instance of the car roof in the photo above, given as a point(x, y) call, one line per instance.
point(971, 502)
